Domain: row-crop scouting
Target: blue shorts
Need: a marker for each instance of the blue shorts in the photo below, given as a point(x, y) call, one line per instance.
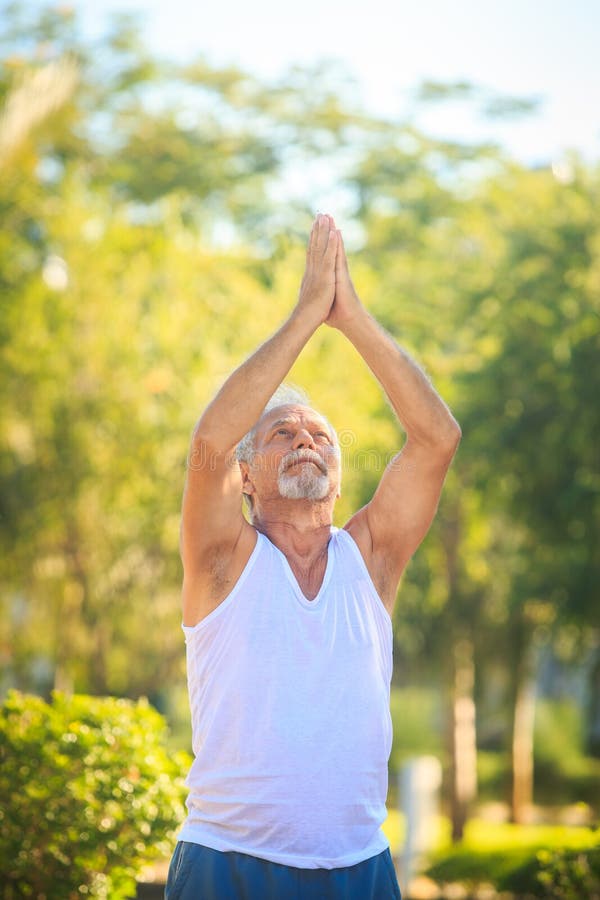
point(199, 873)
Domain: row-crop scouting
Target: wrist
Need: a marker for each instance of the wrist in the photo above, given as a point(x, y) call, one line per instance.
point(304, 320)
point(353, 323)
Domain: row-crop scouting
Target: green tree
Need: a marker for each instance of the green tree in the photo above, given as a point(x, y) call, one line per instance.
point(150, 239)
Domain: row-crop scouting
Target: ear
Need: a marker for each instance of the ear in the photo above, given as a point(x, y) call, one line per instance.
point(247, 483)
point(339, 486)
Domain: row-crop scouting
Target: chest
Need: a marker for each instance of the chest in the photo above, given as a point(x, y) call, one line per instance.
point(310, 578)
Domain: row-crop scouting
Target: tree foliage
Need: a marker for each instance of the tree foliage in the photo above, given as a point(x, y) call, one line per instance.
point(153, 216)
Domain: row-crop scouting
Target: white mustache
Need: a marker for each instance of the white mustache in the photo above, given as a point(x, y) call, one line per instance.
point(298, 456)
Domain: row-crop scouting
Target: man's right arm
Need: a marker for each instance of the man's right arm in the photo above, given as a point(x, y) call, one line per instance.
point(212, 511)
point(212, 520)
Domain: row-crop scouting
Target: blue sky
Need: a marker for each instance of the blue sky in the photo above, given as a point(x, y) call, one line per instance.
point(545, 49)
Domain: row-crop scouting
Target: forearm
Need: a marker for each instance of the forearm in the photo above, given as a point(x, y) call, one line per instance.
point(421, 411)
point(240, 402)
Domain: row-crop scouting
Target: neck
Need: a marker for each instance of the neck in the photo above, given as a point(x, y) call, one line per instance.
point(299, 528)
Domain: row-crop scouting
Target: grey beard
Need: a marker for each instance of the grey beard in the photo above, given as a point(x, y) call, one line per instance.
point(309, 484)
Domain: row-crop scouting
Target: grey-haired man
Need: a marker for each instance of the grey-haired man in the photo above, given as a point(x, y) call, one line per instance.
point(288, 619)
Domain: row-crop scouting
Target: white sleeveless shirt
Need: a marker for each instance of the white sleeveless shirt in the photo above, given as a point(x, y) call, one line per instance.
point(290, 714)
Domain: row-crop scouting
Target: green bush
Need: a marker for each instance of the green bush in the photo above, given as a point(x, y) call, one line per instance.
point(549, 862)
point(558, 875)
point(88, 795)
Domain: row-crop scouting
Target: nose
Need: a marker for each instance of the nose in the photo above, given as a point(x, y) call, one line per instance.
point(302, 439)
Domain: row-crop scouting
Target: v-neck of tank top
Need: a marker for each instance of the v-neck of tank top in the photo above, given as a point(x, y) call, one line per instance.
point(300, 595)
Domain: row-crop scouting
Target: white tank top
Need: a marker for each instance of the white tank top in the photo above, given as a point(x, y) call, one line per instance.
point(290, 714)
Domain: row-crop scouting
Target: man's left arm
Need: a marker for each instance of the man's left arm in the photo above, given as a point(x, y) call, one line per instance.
point(391, 526)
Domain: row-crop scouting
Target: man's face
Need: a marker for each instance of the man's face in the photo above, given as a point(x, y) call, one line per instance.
point(296, 456)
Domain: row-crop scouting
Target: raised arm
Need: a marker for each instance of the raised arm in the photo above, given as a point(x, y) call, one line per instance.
point(389, 529)
point(212, 524)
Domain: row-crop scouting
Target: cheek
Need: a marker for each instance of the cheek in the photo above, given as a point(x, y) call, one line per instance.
point(332, 458)
point(266, 465)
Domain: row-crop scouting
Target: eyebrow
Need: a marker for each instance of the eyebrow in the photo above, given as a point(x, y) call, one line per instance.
point(319, 426)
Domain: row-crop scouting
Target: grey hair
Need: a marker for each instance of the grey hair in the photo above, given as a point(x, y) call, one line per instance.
point(285, 393)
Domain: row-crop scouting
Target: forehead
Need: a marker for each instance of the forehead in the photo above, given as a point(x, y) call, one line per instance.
point(293, 414)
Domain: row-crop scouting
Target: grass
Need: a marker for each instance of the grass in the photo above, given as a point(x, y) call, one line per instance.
point(504, 837)
point(483, 835)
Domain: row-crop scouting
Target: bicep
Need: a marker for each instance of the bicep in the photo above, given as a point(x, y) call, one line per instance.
point(406, 500)
point(211, 513)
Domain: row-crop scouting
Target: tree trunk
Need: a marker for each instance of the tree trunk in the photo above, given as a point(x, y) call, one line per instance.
point(67, 631)
point(463, 744)
point(522, 735)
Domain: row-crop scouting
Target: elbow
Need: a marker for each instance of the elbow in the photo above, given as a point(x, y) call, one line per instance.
point(453, 439)
point(455, 431)
point(447, 438)
point(206, 451)
point(205, 435)
point(441, 442)
point(451, 436)
point(201, 442)
point(201, 436)
point(215, 435)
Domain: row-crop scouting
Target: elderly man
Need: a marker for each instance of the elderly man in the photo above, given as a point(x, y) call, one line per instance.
point(288, 620)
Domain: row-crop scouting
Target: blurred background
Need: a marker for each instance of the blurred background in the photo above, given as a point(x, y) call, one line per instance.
point(160, 167)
